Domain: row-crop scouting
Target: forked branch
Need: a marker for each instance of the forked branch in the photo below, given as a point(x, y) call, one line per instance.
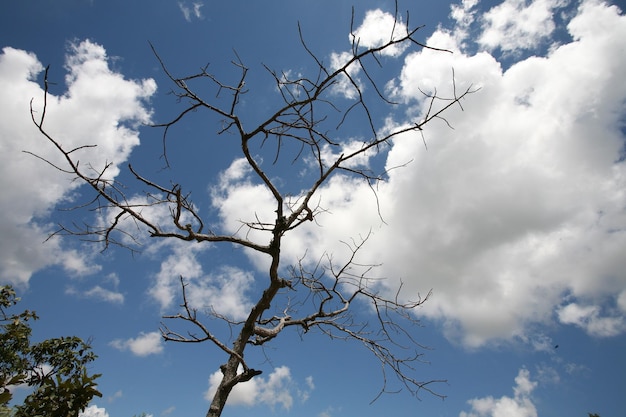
point(310, 110)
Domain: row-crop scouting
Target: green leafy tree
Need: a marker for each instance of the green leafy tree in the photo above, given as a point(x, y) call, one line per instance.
point(55, 368)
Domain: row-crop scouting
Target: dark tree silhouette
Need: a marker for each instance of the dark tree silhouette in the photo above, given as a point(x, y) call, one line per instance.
point(310, 295)
point(55, 368)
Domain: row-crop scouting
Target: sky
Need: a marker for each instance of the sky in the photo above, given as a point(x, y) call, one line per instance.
point(512, 210)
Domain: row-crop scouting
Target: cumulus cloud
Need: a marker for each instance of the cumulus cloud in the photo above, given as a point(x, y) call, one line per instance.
point(143, 345)
point(518, 205)
point(590, 318)
point(378, 28)
point(464, 16)
point(519, 24)
point(278, 389)
point(232, 195)
point(94, 411)
point(344, 86)
point(223, 290)
point(525, 205)
point(98, 103)
point(520, 405)
point(180, 263)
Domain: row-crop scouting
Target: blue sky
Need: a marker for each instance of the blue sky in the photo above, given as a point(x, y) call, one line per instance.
point(514, 218)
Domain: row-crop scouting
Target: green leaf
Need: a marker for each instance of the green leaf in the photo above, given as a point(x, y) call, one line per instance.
point(5, 397)
point(65, 390)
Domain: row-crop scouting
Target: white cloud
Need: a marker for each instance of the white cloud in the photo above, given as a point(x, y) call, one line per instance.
point(231, 198)
point(179, 263)
point(191, 10)
point(304, 394)
point(521, 203)
point(464, 15)
point(376, 30)
point(590, 319)
point(143, 345)
point(277, 389)
point(105, 295)
point(94, 411)
point(344, 85)
point(100, 293)
point(520, 405)
point(100, 104)
point(547, 375)
point(519, 24)
point(224, 290)
point(329, 154)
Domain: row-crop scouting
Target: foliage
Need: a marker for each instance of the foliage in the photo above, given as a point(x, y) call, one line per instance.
point(56, 368)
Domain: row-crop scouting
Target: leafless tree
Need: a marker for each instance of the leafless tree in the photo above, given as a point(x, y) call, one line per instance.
point(327, 289)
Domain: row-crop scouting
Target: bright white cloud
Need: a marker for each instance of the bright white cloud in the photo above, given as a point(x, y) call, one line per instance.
point(278, 389)
point(231, 198)
point(505, 218)
point(143, 345)
point(519, 24)
point(329, 154)
point(344, 85)
point(100, 104)
point(376, 30)
point(521, 203)
point(464, 16)
point(94, 411)
point(520, 405)
point(224, 290)
point(179, 262)
point(589, 317)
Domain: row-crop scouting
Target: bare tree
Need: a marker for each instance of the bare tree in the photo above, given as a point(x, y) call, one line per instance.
point(309, 117)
